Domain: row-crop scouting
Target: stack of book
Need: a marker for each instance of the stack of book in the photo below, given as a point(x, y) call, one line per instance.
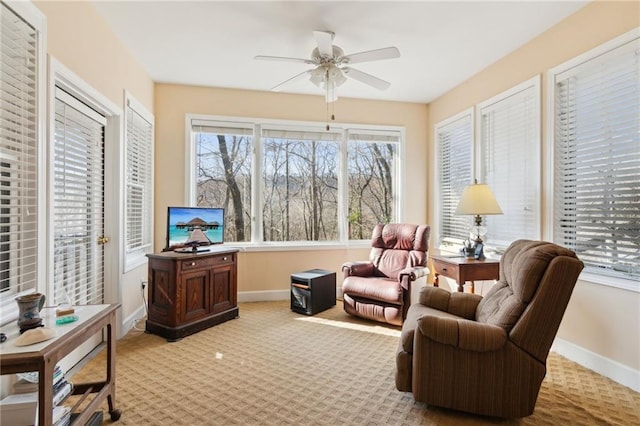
point(28, 383)
point(62, 388)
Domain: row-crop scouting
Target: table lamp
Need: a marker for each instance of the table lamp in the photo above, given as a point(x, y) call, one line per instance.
point(478, 199)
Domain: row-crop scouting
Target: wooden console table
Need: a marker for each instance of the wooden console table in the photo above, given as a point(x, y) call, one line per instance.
point(463, 269)
point(189, 292)
point(43, 357)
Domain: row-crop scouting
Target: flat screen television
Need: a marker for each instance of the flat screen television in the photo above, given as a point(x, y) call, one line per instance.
point(194, 226)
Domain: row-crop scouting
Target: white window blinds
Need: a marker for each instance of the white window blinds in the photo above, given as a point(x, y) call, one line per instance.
point(454, 140)
point(139, 178)
point(510, 162)
point(78, 201)
point(597, 161)
point(18, 154)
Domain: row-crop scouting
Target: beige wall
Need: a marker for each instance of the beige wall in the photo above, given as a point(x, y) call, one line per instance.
point(601, 319)
point(270, 270)
point(79, 39)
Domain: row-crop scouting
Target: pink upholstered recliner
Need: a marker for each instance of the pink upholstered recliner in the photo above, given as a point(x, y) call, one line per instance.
point(380, 288)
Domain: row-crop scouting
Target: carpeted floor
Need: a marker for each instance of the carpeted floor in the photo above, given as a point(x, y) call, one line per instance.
point(274, 367)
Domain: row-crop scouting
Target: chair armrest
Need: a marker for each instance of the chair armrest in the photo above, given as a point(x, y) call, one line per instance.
point(414, 273)
point(460, 304)
point(462, 333)
point(358, 269)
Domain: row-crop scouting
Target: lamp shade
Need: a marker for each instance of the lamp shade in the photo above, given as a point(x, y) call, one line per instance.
point(478, 199)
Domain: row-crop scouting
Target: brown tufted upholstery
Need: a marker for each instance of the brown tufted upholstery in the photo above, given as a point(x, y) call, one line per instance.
point(487, 355)
point(380, 288)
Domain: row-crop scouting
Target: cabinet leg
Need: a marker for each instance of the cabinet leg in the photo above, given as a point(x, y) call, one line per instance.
point(115, 413)
point(436, 281)
point(461, 287)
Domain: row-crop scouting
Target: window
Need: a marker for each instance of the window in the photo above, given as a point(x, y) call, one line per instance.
point(596, 157)
point(223, 169)
point(454, 147)
point(138, 182)
point(372, 159)
point(299, 185)
point(21, 117)
point(300, 182)
point(510, 161)
point(78, 201)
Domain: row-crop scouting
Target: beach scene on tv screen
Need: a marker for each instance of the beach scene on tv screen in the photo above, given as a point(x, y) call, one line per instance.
point(188, 225)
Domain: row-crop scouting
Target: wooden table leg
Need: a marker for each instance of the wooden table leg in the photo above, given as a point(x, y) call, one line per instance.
point(461, 287)
point(473, 288)
point(436, 281)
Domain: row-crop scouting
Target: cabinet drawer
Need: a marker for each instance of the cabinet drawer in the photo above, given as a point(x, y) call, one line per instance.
point(447, 269)
point(206, 262)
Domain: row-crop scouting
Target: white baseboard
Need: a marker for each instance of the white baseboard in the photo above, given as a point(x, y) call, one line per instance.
point(607, 367)
point(129, 322)
point(263, 296)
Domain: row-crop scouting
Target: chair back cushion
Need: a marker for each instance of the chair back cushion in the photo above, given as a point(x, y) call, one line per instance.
point(529, 300)
point(396, 246)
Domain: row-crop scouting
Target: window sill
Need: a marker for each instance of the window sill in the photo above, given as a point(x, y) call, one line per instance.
point(134, 260)
point(300, 246)
point(610, 281)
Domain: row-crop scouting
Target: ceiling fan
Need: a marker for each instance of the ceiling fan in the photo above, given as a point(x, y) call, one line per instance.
point(330, 66)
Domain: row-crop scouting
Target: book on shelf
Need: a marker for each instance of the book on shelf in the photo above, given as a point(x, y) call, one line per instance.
point(61, 415)
point(64, 391)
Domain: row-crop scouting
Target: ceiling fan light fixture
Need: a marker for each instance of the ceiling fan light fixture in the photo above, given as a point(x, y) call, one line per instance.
point(317, 76)
point(336, 76)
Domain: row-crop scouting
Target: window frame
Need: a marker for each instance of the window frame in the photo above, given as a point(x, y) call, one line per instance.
point(256, 243)
point(549, 213)
point(136, 257)
point(34, 17)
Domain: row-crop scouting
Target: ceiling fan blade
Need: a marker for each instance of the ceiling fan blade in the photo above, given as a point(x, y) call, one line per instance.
point(284, 59)
point(324, 39)
point(372, 55)
point(291, 80)
point(365, 78)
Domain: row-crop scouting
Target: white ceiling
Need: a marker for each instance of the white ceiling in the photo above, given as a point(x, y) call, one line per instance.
point(213, 43)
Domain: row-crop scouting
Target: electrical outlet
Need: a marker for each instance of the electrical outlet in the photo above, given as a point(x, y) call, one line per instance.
point(143, 283)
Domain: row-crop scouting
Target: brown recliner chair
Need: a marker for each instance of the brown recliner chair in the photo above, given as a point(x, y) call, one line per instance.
point(380, 288)
point(487, 355)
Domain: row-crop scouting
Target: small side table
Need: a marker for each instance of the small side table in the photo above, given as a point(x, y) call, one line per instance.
point(463, 269)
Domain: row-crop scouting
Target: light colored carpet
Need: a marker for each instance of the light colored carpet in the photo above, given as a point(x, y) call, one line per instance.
point(275, 367)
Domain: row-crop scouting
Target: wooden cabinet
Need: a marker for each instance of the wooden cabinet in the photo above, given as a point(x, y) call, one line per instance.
point(189, 292)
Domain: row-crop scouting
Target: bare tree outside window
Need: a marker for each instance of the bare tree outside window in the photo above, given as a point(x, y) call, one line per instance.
point(371, 173)
point(305, 192)
point(300, 190)
point(223, 179)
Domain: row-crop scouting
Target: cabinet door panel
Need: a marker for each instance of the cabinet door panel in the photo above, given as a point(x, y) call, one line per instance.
point(224, 289)
point(195, 294)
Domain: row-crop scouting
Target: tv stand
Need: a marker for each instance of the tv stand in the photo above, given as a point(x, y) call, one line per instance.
point(189, 291)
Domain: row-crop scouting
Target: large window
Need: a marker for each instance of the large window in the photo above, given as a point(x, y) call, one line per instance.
point(292, 182)
point(138, 182)
point(596, 157)
point(20, 127)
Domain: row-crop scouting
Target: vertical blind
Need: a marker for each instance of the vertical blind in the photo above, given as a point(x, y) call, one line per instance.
point(455, 149)
point(139, 180)
point(18, 154)
point(510, 154)
point(78, 201)
point(597, 161)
